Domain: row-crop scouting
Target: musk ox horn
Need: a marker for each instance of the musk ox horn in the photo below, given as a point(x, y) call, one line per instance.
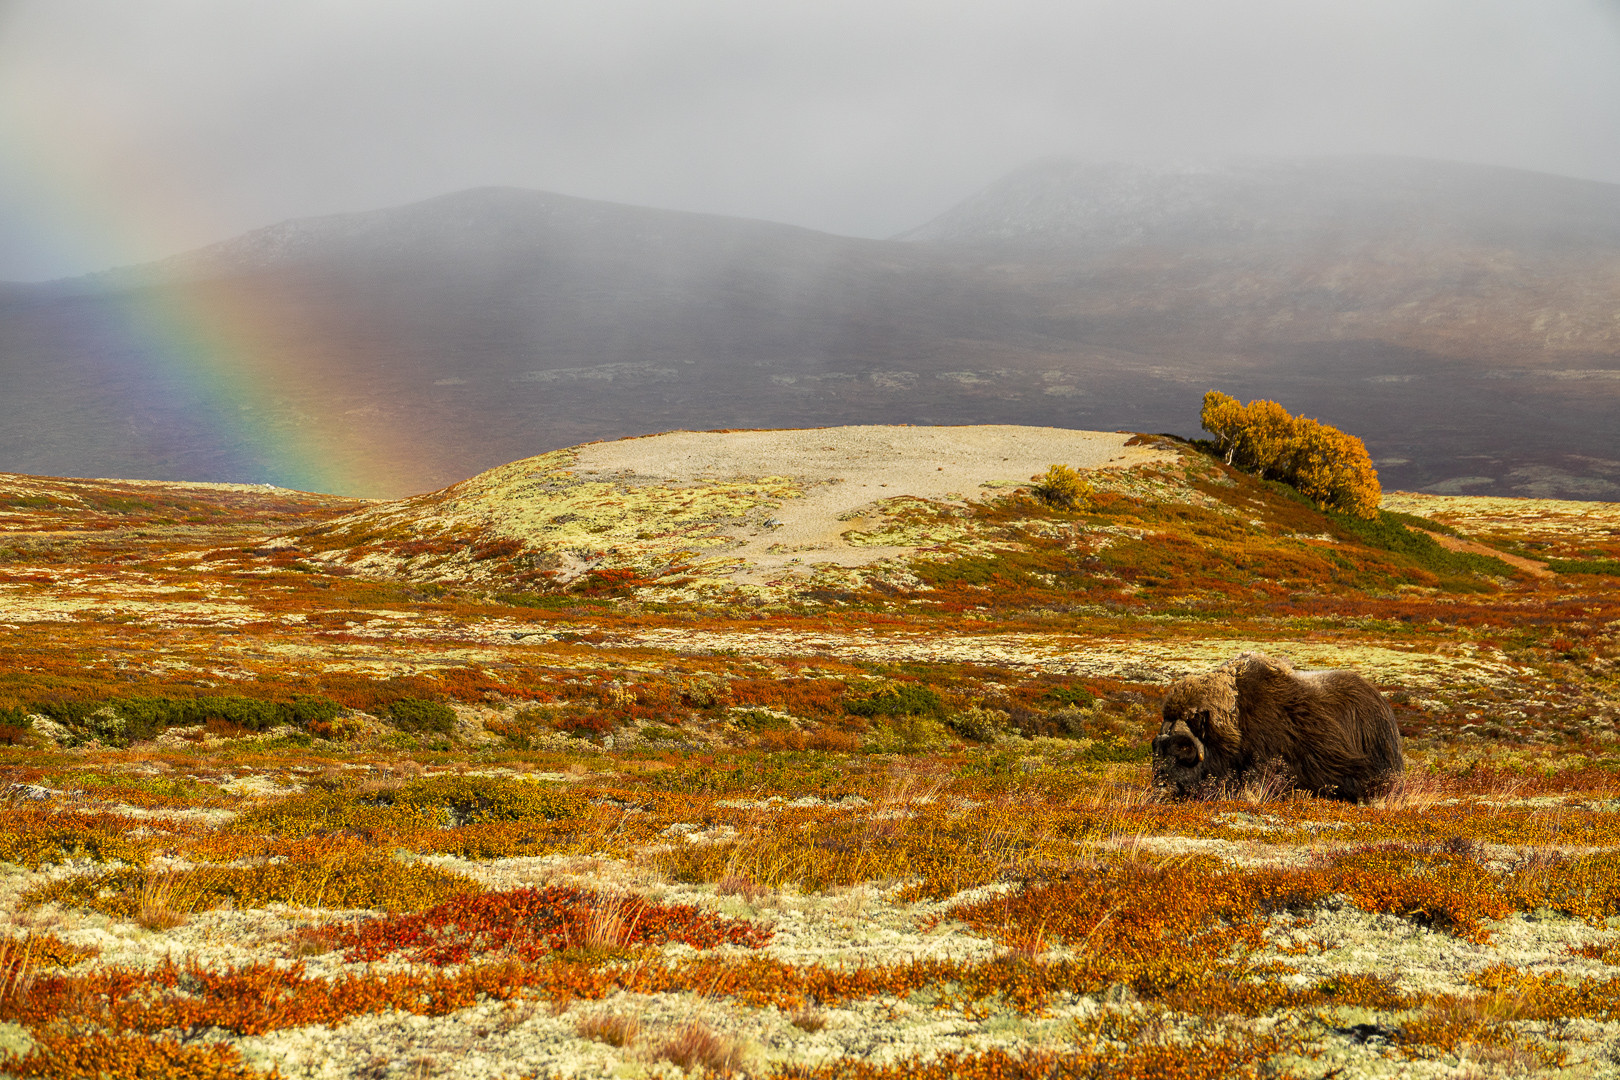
point(1181, 744)
point(1182, 738)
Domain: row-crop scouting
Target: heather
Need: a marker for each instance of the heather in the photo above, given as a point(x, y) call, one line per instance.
point(281, 789)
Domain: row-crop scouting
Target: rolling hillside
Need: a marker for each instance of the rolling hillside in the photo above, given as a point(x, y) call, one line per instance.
point(693, 749)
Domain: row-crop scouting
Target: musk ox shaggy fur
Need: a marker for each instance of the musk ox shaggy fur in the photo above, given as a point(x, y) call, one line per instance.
point(1329, 732)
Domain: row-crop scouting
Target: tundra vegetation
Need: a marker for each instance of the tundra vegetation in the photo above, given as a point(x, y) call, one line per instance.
point(284, 795)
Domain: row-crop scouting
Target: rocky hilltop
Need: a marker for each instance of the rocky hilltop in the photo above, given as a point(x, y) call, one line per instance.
point(773, 511)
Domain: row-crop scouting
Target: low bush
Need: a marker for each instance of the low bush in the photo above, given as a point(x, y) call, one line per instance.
point(522, 728)
point(474, 800)
point(16, 726)
point(34, 836)
point(58, 1054)
point(530, 924)
point(906, 734)
point(398, 810)
point(1605, 567)
point(979, 724)
point(322, 875)
point(1392, 532)
point(1061, 486)
point(121, 721)
point(898, 699)
point(418, 715)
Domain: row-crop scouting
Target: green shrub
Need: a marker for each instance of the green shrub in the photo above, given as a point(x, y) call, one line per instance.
point(905, 734)
point(1110, 753)
point(1608, 567)
point(94, 722)
point(428, 803)
point(1390, 532)
point(415, 714)
point(1071, 695)
point(152, 715)
point(304, 711)
point(473, 800)
point(898, 699)
point(1071, 720)
point(979, 724)
point(758, 720)
point(126, 720)
point(15, 726)
point(1414, 521)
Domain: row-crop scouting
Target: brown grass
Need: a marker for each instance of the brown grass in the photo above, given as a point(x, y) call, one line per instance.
point(694, 1044)
point(741, 885)
point(612, 924)
point(16, 970)
point(1416, 790)
point(615, 1029)
point(809, 1019)
point(157, 911)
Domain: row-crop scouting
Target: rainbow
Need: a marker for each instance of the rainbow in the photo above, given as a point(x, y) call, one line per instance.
point(280, 408)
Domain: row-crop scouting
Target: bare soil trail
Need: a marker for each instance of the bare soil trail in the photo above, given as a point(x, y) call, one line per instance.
point(1452, 543)
point(847, 470)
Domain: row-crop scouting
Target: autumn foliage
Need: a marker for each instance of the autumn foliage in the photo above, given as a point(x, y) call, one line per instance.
point(530, 923)
point(1326, 465)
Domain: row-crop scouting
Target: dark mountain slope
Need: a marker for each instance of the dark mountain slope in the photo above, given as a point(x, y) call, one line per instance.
point(1462, 319)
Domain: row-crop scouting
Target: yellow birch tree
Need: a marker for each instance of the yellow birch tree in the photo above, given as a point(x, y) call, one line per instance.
point(1326, 465)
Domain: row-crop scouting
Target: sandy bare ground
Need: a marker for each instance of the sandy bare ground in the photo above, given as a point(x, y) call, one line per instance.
point(849, 469)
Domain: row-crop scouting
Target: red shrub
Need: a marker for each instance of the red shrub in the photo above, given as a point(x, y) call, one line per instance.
point(530, 923)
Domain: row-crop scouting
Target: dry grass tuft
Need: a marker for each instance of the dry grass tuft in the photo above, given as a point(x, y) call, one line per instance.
point(741, 885)
point(696, 1045)
point(1414, 790)
point(157, 911)
point(615, 1029)
point(808, 1019)
point(612, 923)
point(16, 970)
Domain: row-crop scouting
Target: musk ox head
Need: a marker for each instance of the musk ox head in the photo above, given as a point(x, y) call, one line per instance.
point(1200, 731)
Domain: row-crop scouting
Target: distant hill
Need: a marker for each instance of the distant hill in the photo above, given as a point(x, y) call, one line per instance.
point(1463, 319)
point(780, 511)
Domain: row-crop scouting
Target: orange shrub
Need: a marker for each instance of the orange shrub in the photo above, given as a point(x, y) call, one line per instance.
point(1325, 464)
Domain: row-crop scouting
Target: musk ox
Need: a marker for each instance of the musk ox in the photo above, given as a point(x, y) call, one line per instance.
point(1330, 732)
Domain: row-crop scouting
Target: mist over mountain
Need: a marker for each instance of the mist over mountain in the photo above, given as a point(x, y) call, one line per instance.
point(1080, 207)
point(1464, 320)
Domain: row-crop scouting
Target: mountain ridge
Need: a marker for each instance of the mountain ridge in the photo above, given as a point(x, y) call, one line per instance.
point(1068, 199)
point(418, 345)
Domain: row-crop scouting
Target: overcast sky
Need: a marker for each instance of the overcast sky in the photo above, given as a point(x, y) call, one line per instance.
point(131, 129)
